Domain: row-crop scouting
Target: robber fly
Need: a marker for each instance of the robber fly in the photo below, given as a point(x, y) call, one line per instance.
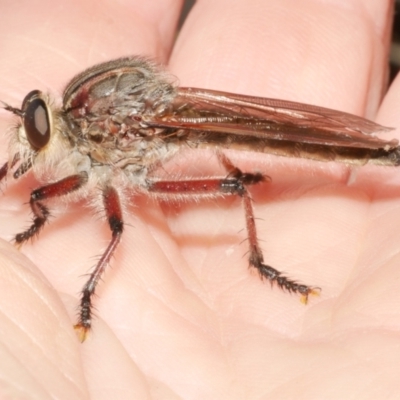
point(122, 119)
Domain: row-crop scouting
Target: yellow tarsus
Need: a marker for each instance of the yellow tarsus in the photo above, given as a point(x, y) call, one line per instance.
point(81, 331)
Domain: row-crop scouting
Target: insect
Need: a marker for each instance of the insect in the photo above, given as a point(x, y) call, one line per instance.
point(122, 119)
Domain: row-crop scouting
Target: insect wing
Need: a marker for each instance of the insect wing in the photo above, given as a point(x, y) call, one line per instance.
point(271, 119)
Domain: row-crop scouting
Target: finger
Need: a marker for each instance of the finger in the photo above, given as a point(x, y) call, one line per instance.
point(332, 54)
point(45, 43)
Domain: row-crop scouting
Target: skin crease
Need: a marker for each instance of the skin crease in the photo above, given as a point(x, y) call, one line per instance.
point(178, 314)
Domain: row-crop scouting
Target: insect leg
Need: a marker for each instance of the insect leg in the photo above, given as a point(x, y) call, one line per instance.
point(40, 211)
point(6, 167)
point(236, 184)
point(256, 258)
point(114, 216)
point(3, 171)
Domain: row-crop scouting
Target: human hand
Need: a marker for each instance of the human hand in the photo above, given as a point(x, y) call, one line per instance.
point(178, 313)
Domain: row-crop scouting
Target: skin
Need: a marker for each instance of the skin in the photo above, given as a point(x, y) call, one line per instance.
point(179, 315)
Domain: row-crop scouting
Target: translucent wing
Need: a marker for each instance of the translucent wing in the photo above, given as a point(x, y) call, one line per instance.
point(212, 118)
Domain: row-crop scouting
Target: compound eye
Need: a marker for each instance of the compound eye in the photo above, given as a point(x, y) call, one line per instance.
point(36, 120)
